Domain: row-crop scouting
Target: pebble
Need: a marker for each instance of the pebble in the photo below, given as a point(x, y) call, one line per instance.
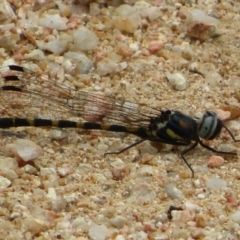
point(84, 64)
point(80, 222)
point(120, 237)
point(177, 80)
point(57, 134)
point(223, 115)
point(35, 54)
point(106, 66)
point(30, 169)
point(4, 182)
point(6, 11)
point(59, 204)
point(182, 216)
point(118, 221)
point(236, 217)
point(64, 171)
point(201, 221)
point(172, 192)
point(98, 232)
point(127, 24)
point(54, 22)
point(25, 149)
point(84, 39)
point(228, 112)
point(216, 183)
point(142, 194)
point(57, 46)
point(64, 9)
point(8, 40)
point(8, 163)
point(215, 161)
point(201, 26)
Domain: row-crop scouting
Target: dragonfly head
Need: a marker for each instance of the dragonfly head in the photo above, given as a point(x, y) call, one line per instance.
point(210, 126)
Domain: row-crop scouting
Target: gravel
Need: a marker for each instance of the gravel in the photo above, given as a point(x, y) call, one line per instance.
point(163, 54)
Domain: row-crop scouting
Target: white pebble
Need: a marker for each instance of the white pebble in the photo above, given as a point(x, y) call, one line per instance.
point(236, 217)
point(53, 21)
point(98, 232)
point(142, 193)
point(84, 39)
point(8, 163)
point(216, 183)
point(4, 182)
point(145, 171)
point(106, 66)
point(47, 171)
point(201, 196)
point(80, 222)
point(83, 63)
point(57, 134)
point(141, 235)
point(120, 237)
point(35, 54)
point(178, 81)
point(27, 150)
point(118, 221)
point(57, 46)
point(172, 191)
point(6, 11)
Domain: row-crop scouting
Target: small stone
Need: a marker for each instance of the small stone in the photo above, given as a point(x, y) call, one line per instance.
point(64, 171)
point(35, 54)
point(106, 66)
point(65, 10)
point(236, 217)
point(57, 134)
point(6, 12)
point(201, 221)
point(30, 169)
point(59, 204)
point(192, 206)
point(228, 112)
point(178, 81)
point(8, 40)
point(182, 216)
point(57, 46)
point(98, 232)
point(118, 221)
point(27, 150)
point(215, 161)
point(127, 24)
point(119, 237)
point(84, 39)
point(4, 182)
point(172, 192)
point(8, 163)
point(216, 184)
point(10, 174)
point(83, 63)
point(53, 21)
point(197, 233)
point(201, 26)
point(223, 115)
point(141, 194)
point(80, 222)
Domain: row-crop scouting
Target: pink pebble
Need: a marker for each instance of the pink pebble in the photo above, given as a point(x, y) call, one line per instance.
point(215, 161)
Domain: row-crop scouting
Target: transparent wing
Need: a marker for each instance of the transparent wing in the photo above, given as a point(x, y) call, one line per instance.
point(28, 94)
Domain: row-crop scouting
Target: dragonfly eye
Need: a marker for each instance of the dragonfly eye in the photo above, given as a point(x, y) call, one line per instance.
point(210, 126)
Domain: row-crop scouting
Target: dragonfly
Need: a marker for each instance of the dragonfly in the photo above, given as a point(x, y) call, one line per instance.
point(35, 99)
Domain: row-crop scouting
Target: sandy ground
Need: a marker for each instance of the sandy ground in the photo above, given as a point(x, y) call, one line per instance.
point(130, 50)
